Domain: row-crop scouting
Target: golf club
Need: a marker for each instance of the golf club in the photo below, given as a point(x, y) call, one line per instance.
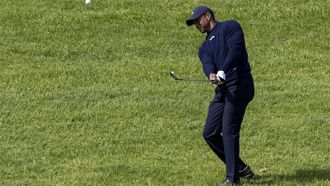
point(172, 73)
point(186, 79)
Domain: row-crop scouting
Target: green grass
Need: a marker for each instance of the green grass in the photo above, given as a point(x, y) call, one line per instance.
point(86, 98)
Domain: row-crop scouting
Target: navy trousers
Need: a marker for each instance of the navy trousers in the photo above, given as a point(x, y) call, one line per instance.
point(223, 123)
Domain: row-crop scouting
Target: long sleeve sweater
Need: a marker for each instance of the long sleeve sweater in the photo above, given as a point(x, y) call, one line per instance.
point(224, 49)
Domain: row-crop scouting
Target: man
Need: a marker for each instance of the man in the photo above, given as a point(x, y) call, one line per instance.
point(225, 62)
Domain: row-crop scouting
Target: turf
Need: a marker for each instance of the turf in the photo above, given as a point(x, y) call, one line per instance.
point(86, 97)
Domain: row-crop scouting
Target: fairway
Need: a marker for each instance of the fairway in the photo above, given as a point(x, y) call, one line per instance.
point(86, 96)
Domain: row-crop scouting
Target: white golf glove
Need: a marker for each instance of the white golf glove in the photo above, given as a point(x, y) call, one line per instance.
point(221, 75)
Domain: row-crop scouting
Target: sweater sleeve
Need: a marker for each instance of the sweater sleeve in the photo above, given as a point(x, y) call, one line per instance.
point(206, 60)
point(235, 44)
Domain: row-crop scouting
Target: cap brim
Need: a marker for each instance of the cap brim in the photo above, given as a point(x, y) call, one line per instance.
point(190, 22)
point(192, 19)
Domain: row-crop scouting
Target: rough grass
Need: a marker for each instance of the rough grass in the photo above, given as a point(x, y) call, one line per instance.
point(86, 98)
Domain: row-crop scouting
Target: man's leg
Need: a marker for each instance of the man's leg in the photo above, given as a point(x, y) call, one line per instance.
point(236, 100)
point(231, 128)
point(213, 128)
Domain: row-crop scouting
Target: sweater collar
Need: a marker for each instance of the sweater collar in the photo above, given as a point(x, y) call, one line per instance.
point(217, 24)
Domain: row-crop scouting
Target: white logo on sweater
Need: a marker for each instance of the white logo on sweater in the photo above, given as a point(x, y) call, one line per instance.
point(212, 37)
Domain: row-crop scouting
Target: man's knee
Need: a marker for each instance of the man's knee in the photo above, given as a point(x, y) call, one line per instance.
point(208, 134)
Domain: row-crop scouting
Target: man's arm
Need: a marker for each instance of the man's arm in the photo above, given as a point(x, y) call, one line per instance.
point(235, 44)
point(206, 60)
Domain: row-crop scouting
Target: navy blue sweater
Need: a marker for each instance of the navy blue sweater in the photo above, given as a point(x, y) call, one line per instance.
point(224, 49)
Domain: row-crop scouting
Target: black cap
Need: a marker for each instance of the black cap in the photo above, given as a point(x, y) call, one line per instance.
point(196, 13)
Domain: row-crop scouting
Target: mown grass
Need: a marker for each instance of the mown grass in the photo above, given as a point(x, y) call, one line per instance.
point(86, 99)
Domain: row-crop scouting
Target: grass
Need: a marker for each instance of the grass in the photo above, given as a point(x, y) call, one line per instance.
point(86, 98)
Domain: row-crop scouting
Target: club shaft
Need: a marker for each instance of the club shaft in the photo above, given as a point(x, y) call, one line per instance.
point(186, 79)
point(196, 80)
point(192, 80)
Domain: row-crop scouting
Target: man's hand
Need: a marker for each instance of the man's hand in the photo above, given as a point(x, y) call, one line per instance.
point(217, 78)
point(214, 79)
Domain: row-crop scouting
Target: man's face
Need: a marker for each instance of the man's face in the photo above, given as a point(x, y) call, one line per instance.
point(203, 23)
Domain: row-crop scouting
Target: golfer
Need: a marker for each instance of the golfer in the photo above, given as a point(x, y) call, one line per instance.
point(225, 62)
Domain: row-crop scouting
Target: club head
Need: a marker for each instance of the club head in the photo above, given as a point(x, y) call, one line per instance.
point(172, 73)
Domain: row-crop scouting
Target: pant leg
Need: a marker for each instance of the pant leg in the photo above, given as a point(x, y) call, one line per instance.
point(237, 98)
point(213, 127)
point(231, 129)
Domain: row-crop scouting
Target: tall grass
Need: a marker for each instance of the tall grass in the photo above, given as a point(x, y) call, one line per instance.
point(86, 98)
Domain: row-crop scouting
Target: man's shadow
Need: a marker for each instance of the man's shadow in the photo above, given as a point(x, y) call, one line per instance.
point(300, 176)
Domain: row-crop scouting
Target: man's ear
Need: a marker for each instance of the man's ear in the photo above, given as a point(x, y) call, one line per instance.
point(208, 16)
